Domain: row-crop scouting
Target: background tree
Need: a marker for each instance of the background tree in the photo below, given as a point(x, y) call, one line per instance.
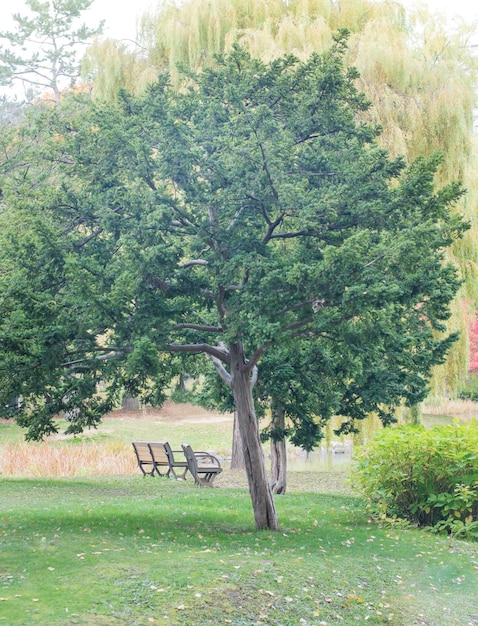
point(43, 51)
point(110, 65)
point(241, 214)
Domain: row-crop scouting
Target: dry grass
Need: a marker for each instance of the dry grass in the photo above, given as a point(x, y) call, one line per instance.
point(84, 459)
point(465, 410)
point(115, 458)
point(62, 457)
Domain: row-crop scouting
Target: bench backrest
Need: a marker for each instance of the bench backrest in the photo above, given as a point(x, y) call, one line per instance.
point(142, 451)
point(202, 465)
point(158, 453)
point(170, 454)
point(191, 459)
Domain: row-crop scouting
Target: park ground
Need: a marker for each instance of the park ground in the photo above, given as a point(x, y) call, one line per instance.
point(89, 544)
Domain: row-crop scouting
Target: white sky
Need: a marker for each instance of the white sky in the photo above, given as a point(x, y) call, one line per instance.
point(121, 15)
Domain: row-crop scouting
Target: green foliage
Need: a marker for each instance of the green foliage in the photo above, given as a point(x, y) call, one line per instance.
point(429, 477)
point(418, 71)
point(190, 222)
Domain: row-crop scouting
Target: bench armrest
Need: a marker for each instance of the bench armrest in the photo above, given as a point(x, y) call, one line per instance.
point(207, 458)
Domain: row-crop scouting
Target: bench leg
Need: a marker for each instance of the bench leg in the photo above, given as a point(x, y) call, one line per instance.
point(177, 475)
point(156, 469)
point(145, 473)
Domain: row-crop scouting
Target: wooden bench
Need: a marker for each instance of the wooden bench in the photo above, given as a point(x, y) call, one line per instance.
point(146, 462)
point(174, 463)
point(160, 458)
point(157, 457)
point(203, 466)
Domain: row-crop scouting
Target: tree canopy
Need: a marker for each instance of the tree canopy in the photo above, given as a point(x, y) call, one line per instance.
point(248, 211)
point(418, 72)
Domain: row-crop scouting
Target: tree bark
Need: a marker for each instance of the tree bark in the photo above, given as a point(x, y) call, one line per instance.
point(259, 488)
point(278, 451)
point(130, 404)
point(181, 386)
point(237, 456)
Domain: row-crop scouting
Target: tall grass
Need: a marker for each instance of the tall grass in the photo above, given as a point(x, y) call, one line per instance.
point(108, 450)
point(83, 459)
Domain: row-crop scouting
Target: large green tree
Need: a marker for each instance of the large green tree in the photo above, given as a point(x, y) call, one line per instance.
point(245, 212)
point(418, 71)
point(43, 52)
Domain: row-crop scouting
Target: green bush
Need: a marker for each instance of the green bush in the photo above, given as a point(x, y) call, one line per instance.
point(428, 477)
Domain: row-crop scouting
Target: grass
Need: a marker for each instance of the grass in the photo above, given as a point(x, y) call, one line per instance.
point(132, 550)
point(89, 548)
point(108, 450)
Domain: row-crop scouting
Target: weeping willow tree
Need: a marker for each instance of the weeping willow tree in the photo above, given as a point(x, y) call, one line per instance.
point(417, 72)
point(110, 65)
point(420, 78)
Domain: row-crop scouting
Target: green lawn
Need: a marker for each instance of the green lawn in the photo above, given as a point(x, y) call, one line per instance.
point(127, 550)
point(130, 550)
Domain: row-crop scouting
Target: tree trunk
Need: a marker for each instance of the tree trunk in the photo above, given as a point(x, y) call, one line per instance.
point(278, 450)
point(130, 404)
point(259, 487)
point(181, 386)
point(237, 456)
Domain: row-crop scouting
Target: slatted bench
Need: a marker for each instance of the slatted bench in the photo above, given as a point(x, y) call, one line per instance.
point(146, 460)
point(177, 468)
point(157, 457)
point(203, 466)
point(160, 458)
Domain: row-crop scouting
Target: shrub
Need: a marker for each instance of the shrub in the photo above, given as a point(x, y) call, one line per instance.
point(428, 477)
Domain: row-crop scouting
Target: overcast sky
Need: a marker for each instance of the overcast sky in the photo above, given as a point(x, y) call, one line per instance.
point(121, 15)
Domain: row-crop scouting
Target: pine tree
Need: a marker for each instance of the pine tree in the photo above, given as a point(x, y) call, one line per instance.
point(419, 75)
point(43, 51)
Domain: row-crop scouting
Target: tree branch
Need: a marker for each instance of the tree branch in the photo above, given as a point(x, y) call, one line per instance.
point(102, 357)
point(221, 370)
point(299, 324)
point(252, 362)
point(254, 377)
point(272, 226)
point(292, 234)
point(199, 327)
point(294, 307)
point(198, 348)
point(193, 262)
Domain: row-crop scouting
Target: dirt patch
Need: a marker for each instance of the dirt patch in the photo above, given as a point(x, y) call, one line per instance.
point(178, 413)
point(318, 482)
